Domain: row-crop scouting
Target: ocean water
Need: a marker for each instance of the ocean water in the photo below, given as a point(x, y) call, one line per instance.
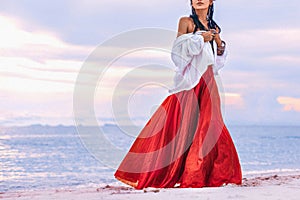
point(43, 157)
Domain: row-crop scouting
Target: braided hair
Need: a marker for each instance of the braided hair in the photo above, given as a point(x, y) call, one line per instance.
point(211, 23)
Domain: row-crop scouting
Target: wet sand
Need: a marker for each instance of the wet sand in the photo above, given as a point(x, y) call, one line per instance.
point(258, 186)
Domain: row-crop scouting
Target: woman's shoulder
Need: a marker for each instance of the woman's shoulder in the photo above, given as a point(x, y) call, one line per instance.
point(185, 25)
point(185, 19)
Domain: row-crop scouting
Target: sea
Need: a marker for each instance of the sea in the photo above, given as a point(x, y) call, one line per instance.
point(38, 157)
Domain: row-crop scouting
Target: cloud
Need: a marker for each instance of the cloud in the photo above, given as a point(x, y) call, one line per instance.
point(43, 46)
point(289, 103)
point(39, 70)
point(37, 61)
point(91, 21)
point(234, 100)
point(267, 46)
point(39, 45)
point(26, 107)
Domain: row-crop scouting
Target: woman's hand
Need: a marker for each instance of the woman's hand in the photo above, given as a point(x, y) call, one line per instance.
point(220, 44)
point(212, 34)
point(209, 35)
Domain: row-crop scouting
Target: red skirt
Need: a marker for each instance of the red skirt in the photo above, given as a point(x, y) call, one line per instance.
point(185, 143)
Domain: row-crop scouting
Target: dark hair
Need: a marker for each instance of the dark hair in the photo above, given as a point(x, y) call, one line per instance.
point(211, 23)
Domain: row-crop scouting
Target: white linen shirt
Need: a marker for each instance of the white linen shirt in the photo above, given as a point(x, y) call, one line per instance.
point(191, 56)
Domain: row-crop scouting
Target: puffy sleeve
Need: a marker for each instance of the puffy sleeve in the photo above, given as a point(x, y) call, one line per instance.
point(220, 61)
point(191, 56)
point(184, 48)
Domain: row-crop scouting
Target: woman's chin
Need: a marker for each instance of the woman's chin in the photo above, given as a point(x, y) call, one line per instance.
point(201, 7)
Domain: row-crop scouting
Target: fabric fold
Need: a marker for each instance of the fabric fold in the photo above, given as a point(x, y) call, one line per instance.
point(185, 143)
point(191, 56)
point(220, 61)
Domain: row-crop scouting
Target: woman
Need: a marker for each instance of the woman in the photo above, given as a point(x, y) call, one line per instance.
point(186, 143)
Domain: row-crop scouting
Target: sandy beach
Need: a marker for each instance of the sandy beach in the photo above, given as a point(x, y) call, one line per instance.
point(281, 185)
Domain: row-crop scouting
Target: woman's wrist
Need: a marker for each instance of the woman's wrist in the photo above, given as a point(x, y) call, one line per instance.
point(221, 44)
point(221, 48)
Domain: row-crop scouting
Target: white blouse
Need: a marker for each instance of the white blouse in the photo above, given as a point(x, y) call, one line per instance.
point(191, 56)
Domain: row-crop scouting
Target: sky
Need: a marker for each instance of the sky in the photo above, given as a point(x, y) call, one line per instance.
point(44, 46)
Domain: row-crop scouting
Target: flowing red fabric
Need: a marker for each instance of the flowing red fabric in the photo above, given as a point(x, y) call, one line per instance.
point(184, 143)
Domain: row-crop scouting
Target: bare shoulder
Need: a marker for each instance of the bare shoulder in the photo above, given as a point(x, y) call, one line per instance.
point(185, 19)
point(184, 25)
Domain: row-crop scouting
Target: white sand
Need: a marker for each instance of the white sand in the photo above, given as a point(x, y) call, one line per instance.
point(263, 186)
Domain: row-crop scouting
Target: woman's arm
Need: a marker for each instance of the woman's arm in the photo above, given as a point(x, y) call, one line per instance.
point(183, 29)
point(220, 43)
point(217, 37)
point(182, 26)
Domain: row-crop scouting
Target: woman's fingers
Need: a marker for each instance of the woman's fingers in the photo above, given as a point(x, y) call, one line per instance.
point(209, 35)
point(213, 31)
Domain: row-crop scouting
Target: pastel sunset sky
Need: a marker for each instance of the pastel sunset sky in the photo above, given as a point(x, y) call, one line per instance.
point(43, 46)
